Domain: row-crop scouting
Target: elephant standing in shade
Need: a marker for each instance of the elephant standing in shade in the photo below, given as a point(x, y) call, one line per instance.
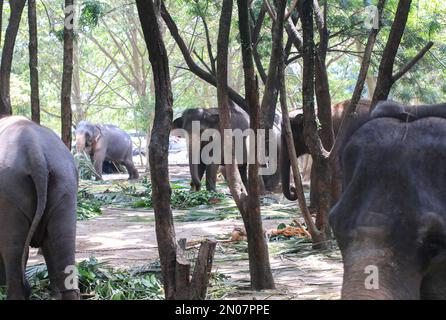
point(38, 194)
point(105, 142)
point(297, 127)
point(210, 119)
point(272, 181)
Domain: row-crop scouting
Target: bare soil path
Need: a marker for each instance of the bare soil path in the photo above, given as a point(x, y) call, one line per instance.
point(126, 238)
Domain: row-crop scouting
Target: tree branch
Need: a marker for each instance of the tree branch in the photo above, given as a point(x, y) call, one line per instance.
point(385, 76)
point(413, 62)
point(290, 11)
point(193, 67)
point(270, 10)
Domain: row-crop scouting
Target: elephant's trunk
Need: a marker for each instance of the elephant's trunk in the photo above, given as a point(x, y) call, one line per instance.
point(80, 143)
point(386, 280)
point(287, 190)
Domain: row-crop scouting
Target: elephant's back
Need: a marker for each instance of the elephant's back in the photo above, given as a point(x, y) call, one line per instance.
point(115, 133)
point(23, 142)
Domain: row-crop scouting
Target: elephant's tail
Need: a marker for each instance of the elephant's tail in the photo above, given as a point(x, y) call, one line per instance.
point(39, 176)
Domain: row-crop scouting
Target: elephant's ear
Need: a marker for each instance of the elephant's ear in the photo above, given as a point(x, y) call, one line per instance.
point(177, 123)
point(97, 133)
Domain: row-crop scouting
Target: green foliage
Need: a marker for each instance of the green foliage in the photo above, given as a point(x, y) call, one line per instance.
point(91, 12)
point(87, 206)
point(85, 166)
point(108, 96)
point(181, 199)
point(100, 282)
point(104, 283)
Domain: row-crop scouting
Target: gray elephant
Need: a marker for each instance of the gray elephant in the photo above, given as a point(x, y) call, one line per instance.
point(105, 142)
point(38, 194)
point(390, 222)
point(297, 127)
point(210, 119)
point(272, 181)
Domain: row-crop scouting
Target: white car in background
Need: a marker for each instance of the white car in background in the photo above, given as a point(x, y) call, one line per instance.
point(139, 140)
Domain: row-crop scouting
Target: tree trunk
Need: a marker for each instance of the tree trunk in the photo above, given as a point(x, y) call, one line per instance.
point(322, 86)
point(259, 266)
point(33, 62)
point(385, 76)
point(79, 111)
point(271, 92)
point(67, 74)
point(323, 98)
point(175, 268)
point(318, 153)
point(247, 203)
point(371, 79)
point(1, 21)
point(159, 144)
point(7, 55)
point(349, 115)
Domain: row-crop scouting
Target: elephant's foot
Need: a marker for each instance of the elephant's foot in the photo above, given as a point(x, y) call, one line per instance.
point(194, 187)
point(211, 188)
point(134, 176)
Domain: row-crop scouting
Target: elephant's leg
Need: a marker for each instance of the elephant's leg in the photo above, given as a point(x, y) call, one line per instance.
point(2, 272)
point(59, 250)
point(211, 177)
point(13, 232)
point(133, 172)
point(196, 181)
point(98, 160)
point(15, 288)
point(433, 286)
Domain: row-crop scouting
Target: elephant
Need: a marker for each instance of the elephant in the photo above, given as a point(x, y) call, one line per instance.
point(272, 181)
point(38, 195)
point(105, 142)
point(297, 127)
point(210, 119)
point(390, 222)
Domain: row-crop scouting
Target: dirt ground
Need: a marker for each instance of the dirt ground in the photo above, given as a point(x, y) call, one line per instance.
point(126, 238)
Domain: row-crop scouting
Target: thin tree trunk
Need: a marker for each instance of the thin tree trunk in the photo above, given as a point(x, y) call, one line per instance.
point(323, 98)
point(175, 267)
point(318, 153)
point(385, 76)
point(159, 142)
point(259, 266)
point(79, 112)
point(271, 91)
point(349, 115)
point(1, 21)
point(67, 74)
point(7, 55)
point(33, 61)
point(371, 79)
point(321, 80)
point(286, 127)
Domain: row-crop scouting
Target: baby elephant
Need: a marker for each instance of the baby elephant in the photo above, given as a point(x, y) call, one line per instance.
point(38, 191)
point(105, 142)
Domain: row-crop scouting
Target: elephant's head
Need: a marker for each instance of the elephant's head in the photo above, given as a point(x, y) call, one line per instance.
point(297, 127)
point(192, 123)
point(86, 136)
point(207, 118)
